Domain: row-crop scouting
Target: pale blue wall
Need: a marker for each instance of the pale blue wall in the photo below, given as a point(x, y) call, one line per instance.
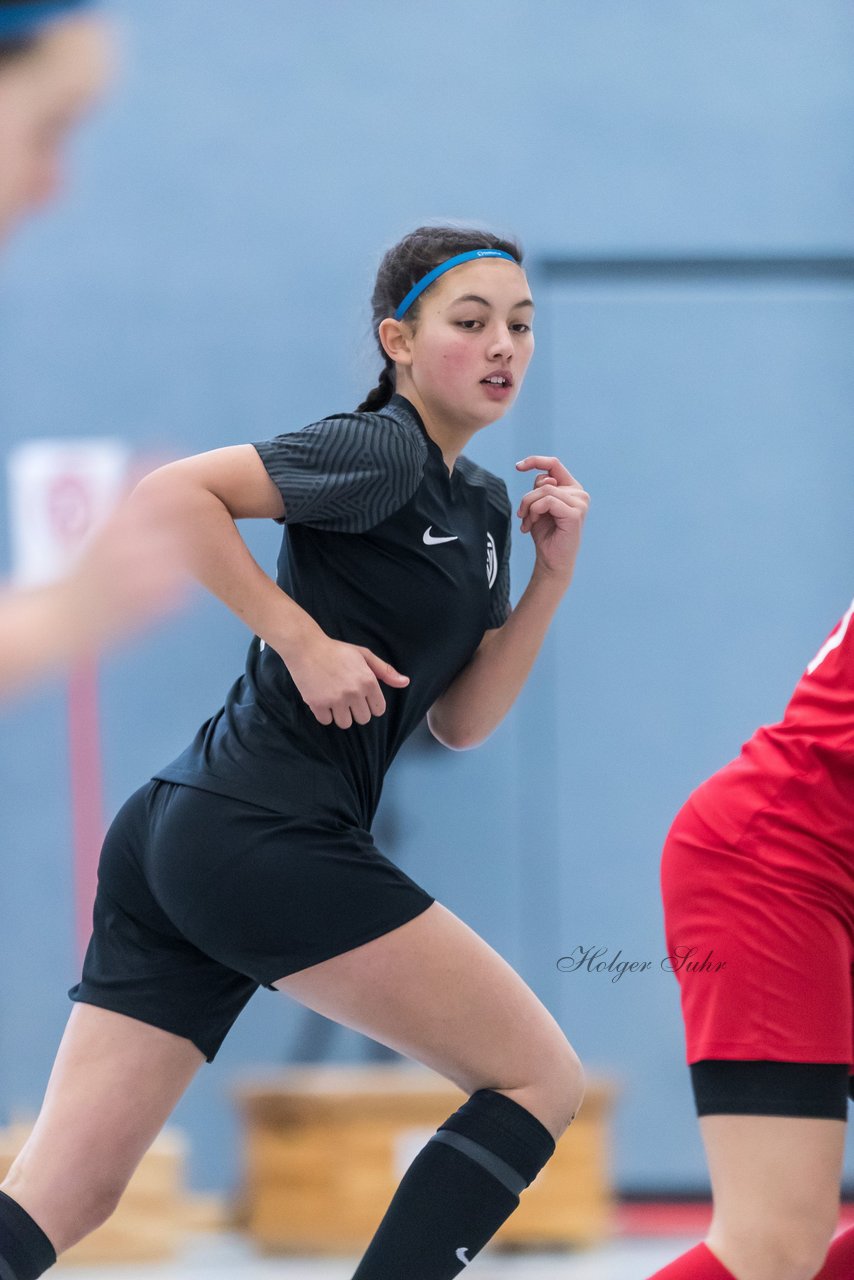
point(206, 281)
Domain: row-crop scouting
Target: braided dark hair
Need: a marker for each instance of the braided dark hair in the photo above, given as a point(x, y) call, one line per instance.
point(403, 266)
point(14, 48)
point(29, 37)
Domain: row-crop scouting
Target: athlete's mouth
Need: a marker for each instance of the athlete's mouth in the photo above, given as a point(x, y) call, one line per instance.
point(499, 379)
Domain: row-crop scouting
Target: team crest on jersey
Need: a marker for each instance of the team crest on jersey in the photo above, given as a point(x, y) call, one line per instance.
point(491, 560)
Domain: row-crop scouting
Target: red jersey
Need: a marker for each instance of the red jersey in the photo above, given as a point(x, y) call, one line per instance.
point(800, 771)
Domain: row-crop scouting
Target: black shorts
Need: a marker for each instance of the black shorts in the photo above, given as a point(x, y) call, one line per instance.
point(202, 899)
point(761, 1087)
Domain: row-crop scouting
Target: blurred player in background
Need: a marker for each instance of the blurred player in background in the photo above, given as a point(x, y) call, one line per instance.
point(758, 879)
point(54, 64)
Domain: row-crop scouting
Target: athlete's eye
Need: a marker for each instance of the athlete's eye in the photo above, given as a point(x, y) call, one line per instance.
point(468, 325)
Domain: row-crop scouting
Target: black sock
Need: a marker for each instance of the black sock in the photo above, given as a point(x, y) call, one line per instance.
point(458, 1190)
point(25, 1251)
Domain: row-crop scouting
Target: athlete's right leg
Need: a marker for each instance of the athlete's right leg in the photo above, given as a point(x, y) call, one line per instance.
point(114, 1083)
point(434, 990)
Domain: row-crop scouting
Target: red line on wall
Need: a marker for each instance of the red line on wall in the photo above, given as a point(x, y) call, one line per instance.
point(87, 793)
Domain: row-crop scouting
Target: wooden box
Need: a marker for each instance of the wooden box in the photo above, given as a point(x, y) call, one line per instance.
point(325, 1148)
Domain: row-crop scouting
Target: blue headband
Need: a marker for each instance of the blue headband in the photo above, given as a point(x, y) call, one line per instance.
point(446, 266)
point(22, 20)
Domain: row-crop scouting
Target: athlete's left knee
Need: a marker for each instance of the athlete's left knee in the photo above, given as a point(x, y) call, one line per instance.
point(67, 1210)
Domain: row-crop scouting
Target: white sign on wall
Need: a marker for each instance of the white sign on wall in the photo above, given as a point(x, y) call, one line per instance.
point(60, 492)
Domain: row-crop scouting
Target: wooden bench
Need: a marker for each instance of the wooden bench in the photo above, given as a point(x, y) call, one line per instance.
point(326, 1146)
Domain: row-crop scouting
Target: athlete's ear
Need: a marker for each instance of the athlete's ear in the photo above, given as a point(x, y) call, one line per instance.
point(396, 337)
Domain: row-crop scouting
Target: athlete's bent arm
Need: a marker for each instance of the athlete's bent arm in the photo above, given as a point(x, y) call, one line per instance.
point(208, 493)
point(479, 698)
point(484, 691)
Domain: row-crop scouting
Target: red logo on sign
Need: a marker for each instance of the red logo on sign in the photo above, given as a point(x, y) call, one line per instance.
point(69, 506)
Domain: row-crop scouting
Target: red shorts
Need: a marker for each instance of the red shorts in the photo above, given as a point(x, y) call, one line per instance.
point(759, 921)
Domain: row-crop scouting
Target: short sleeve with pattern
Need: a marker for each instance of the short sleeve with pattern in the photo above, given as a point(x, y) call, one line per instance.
point(346, 473)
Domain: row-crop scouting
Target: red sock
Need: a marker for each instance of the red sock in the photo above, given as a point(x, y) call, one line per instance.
point(701, 1264)
point(839, 1263)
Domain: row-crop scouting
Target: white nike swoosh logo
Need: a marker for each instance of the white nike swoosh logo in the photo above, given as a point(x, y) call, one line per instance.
point(461, 1254)
point(432, 541)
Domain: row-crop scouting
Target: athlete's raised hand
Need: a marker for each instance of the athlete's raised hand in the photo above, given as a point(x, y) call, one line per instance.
point(339, 682)
point(553, 513)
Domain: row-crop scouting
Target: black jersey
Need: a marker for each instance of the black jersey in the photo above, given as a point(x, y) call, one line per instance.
point(383, 548)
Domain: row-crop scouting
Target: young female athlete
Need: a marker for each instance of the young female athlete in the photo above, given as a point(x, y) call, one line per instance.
point(53, 64)
point(758, 870)
point(249, 861)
